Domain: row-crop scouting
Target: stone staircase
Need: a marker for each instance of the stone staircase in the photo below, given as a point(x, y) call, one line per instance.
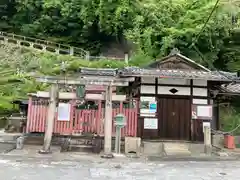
point(8, 141)
point(43, 45)
point(8, 137)
point(76, 144)
point(176, 149)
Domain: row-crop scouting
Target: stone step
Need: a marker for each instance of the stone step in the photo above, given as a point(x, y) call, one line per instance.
point(81, 148)
point(34, 140)
point(9, 137)
point(175, 149)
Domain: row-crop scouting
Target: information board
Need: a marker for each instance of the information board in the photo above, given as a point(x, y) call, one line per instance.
point(64, 111)
point(150, 123)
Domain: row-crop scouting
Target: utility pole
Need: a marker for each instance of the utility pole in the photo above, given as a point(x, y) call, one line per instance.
point(108, 124)
point(50, 119)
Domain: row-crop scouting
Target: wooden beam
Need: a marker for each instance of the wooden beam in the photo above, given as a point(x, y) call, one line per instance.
point(102, 97)
point(70, 95)
point(87, 81)
point(61, 95)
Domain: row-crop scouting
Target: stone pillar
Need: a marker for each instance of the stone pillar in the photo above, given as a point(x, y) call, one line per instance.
point(87, 57)
point(108, 124)
point(57, 51)
point(50, 119)
point(207, 140)
point(44, 48)
point(18, 42)
point(71, 51)
point(31, 44)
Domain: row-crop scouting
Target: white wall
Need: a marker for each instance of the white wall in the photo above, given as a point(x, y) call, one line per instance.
point(147, 89)
point(164, 90)
point(200, 92)
point(146, 98)
point(149, 80)
point(200, 101)
point(199, 82)
point(174, 81)
point(181, 90)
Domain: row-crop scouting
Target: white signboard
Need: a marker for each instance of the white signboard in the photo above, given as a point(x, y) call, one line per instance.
point(150, 123)
point(145, 112)
point(204, 111)
point(207, 124)
point(64, 110)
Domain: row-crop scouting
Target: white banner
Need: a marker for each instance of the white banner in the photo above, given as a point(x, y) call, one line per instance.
point(64, 110)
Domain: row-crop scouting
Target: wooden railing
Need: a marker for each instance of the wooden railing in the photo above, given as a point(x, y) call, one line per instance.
point(43, 45)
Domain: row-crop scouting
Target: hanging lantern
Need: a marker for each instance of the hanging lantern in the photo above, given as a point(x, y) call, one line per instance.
point(80, 91)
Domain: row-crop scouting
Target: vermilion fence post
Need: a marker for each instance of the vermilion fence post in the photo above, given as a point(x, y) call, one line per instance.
point(29, 115)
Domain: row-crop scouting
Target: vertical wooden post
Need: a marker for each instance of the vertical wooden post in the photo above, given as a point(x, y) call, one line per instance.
point(50, 119)
point(108, 124)
point(207, 140)
point(29, 114)
point(191, 103)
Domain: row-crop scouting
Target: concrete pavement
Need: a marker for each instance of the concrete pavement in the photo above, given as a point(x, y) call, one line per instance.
point(20, 168)
point(28, 164)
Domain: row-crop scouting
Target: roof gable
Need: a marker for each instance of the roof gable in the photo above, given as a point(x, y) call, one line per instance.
point(175, 60)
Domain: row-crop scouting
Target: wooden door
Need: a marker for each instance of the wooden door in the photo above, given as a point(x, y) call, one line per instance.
point(174, 118)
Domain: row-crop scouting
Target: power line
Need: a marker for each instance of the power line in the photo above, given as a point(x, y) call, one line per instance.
point(200, 32)
point(205, 24)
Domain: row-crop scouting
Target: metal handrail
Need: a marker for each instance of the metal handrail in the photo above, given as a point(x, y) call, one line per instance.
point(68, 48)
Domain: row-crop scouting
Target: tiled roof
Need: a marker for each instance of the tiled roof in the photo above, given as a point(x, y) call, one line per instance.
point(186, 59)
point(98, 71)
point(174, 73)
point(161, 73)
point(230, 88)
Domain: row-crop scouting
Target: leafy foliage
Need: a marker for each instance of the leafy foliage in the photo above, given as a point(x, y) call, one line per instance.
point(22, 62)
point(154, 27)
point(151, 27)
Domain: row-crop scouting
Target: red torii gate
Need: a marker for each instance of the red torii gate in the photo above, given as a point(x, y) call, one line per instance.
point(108, 82)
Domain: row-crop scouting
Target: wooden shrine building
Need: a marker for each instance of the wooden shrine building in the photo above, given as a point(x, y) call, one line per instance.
point(175, 97)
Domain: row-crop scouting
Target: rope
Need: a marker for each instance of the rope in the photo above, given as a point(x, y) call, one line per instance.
point(229, 132)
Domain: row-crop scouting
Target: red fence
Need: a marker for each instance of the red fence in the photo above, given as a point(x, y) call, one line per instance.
point(81, 121)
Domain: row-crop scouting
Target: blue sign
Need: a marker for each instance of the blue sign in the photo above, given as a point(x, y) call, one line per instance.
point(153, 107)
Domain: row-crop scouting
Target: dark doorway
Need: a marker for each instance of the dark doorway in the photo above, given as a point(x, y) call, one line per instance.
point(174, 118)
